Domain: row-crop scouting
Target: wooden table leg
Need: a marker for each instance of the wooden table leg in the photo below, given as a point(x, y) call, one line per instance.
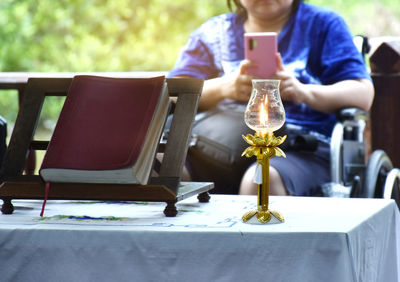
point(204, 197)
point(170, 210)
point(7, 207)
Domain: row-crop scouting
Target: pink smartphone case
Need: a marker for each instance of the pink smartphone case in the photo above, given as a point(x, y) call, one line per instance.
point(261, 49)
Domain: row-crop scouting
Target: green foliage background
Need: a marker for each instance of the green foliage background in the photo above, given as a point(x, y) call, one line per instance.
point(97, 35)
point(128, 35)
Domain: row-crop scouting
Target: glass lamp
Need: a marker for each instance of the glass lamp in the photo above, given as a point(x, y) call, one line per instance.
point(264, 114)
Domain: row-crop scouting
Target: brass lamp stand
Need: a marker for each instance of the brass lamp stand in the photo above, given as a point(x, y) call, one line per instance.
point(263, 148)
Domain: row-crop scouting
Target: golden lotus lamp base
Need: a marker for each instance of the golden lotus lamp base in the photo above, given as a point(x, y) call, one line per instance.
point(263, 147)
point(263, 217)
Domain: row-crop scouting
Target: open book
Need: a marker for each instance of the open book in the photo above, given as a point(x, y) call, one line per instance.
point(108, 131)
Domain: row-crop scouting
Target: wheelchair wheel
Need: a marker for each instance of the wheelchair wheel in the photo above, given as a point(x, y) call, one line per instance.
point(376, 173)
point(392, 186)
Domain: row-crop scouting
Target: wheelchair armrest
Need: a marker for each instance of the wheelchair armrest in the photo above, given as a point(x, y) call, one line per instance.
point(352, 114)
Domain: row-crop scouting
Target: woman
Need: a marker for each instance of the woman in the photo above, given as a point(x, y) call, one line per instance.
point(320, 69)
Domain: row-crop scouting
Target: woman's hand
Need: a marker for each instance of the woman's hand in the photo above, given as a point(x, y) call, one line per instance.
point(291, 89)
point(236, 86)
point(325, 98)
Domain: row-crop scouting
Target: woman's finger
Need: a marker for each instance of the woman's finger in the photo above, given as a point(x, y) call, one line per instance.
point(244, 65)
point(279, 63)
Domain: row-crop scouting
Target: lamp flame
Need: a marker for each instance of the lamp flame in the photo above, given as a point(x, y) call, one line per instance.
point(263, 118)
point(263, 115)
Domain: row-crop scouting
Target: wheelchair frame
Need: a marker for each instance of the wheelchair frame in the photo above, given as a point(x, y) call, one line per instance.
point(350, 172)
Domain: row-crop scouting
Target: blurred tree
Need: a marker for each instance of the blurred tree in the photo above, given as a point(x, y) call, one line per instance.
point(368, 17)
point(97, 35)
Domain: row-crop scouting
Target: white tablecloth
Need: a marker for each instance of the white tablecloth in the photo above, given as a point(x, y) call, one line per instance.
point(322, 239)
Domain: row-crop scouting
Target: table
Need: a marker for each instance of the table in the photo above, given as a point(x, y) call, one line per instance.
point(322, 239)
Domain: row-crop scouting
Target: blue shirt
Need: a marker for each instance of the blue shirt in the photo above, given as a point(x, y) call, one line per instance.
point(316, 45)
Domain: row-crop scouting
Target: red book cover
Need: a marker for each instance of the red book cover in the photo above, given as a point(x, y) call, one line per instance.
point(104, 124)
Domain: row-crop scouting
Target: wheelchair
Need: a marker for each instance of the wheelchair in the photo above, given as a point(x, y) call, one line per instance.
point(352, 175)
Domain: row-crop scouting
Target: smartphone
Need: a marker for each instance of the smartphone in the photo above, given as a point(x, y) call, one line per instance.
point(261, 48)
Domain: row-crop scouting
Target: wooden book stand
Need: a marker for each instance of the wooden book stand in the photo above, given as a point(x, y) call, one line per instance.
point(167, 187)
